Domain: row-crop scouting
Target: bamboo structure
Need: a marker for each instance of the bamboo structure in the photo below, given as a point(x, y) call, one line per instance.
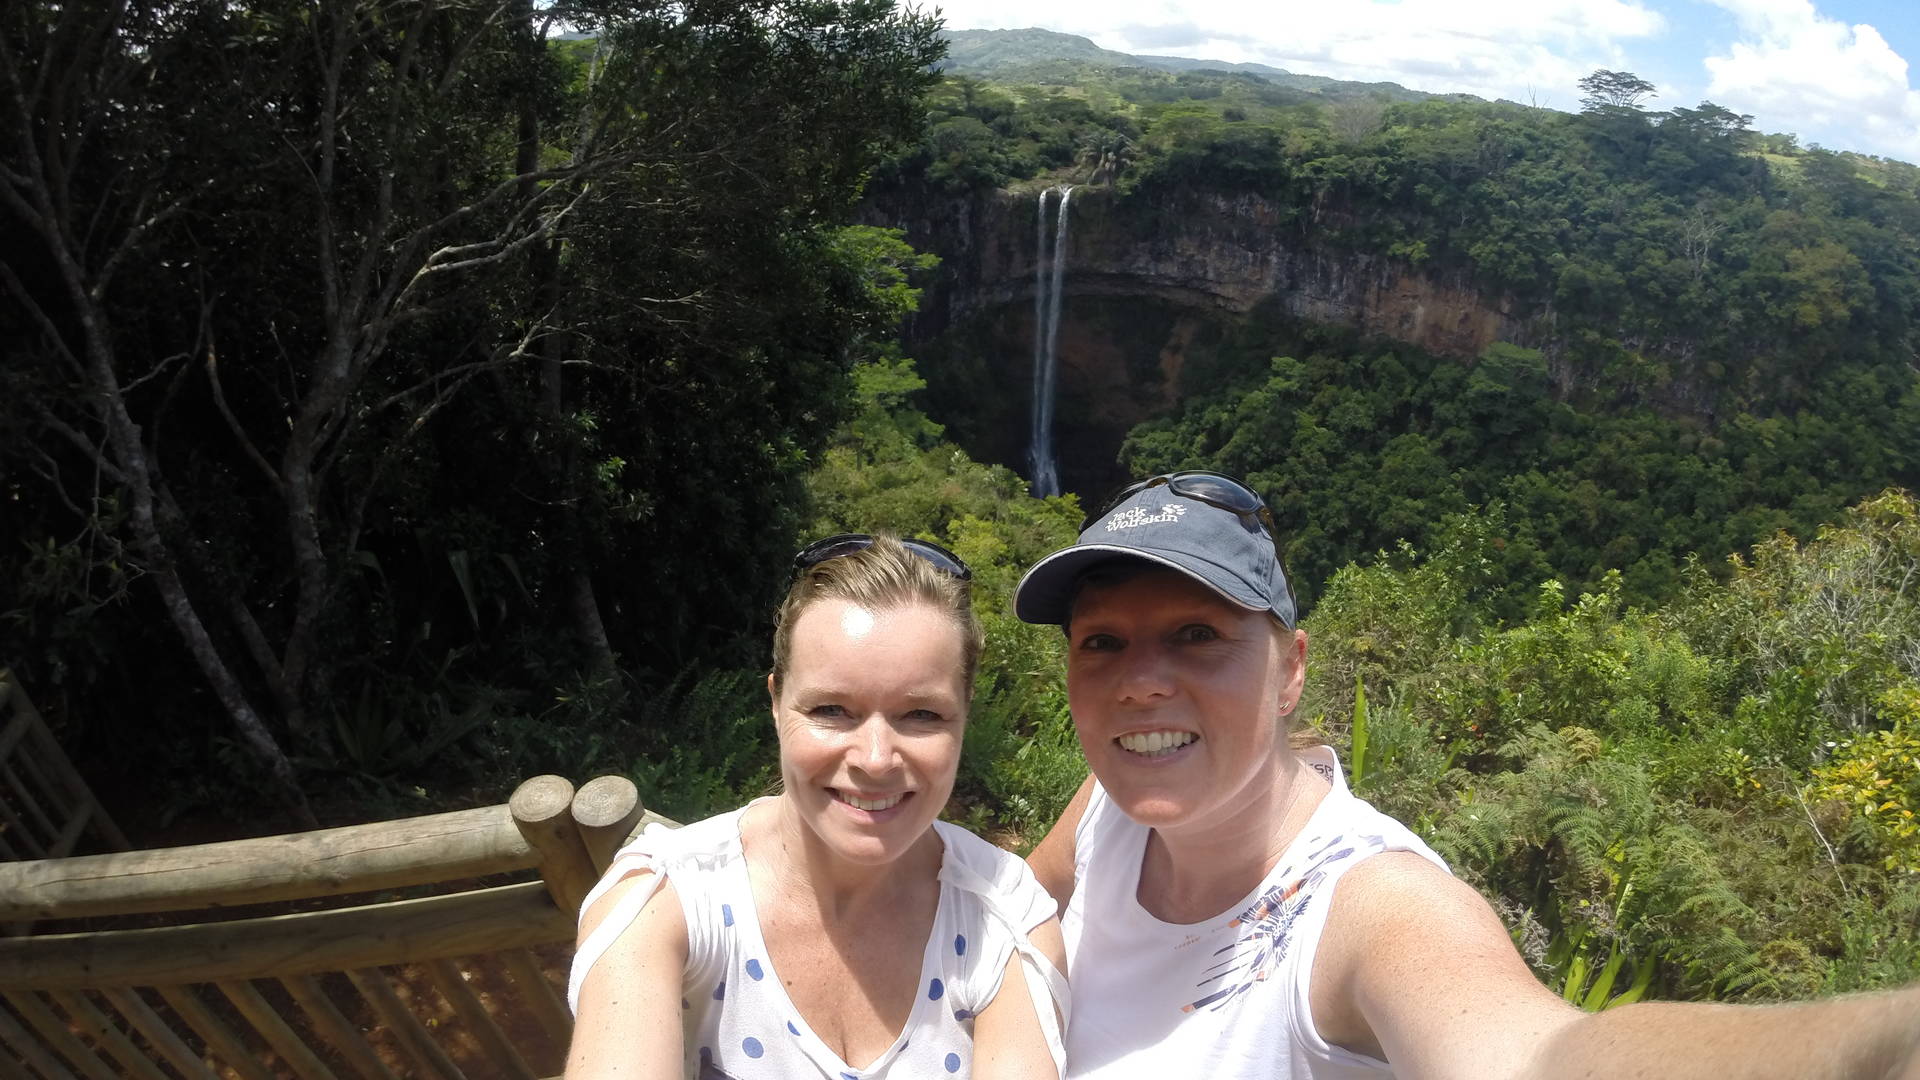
point(453, 985)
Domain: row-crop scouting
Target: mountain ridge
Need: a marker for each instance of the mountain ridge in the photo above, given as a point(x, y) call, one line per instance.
point(1000, 53)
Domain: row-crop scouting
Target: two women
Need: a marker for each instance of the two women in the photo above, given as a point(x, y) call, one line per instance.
point(836, 929)
point(1230, 910)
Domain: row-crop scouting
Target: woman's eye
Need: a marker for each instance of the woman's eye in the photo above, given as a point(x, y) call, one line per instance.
point(1099, 643)
point(826, 711)
point(1196, 632)
point(925, 716)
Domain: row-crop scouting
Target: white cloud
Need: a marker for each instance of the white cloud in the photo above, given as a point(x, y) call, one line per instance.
point(1797, 70)
point(1494, 48)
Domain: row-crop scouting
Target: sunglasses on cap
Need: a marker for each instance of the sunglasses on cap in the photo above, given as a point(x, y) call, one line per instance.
point(1214, 489)
point(834, 547)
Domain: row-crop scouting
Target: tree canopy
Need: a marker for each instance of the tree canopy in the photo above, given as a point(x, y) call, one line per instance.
point(394, 399)
point(1724, 322)
point(1605, 90)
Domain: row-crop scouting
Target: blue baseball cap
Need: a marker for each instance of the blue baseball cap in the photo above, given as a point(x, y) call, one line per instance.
point(1228, 552)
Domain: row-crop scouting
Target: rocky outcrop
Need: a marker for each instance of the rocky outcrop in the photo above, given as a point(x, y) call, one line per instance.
point(1210, 251)
point(1152, 279)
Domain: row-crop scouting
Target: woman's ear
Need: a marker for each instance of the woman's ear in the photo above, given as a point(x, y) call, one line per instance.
point(1292, 647)
point(773, 694)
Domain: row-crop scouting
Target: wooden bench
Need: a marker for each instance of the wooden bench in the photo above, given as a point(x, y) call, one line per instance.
point(434, 967)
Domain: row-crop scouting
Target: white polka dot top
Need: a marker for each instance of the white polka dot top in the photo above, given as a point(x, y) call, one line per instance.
point(738, 1021)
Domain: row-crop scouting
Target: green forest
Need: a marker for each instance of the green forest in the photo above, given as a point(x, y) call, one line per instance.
point(1732, 315)
point(451, 413)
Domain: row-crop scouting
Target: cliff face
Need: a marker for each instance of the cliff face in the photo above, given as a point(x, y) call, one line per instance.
point(1222, 254)
point(1153, 284)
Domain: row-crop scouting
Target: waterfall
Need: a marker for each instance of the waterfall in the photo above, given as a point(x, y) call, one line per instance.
point(1046, 342)
point(1036, 435)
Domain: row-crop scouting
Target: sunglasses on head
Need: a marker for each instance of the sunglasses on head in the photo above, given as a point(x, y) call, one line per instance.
point(834, 547)
point(1214, 489)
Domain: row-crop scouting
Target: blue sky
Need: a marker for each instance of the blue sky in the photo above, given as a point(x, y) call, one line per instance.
point(1841, 73)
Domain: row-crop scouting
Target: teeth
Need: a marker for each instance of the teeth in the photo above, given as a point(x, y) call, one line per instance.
point(1156, 743)
point(887, 803)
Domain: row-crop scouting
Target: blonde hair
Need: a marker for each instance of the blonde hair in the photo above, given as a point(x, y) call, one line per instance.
point(880, 577)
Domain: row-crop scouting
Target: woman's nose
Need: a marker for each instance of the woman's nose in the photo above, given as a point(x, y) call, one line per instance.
point(875, 752)
point(1144, 675)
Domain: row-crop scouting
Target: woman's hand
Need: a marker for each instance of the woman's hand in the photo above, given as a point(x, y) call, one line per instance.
point(629, 1018)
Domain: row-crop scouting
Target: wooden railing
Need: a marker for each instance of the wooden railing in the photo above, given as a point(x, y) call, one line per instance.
point(45, 807)
point(461, 983)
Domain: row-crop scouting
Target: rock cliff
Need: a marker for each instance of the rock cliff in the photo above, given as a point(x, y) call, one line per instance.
point(1154, 283)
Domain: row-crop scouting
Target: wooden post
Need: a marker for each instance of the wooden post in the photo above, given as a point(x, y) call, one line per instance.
point(328, 862)
point(397, 932)
point(605, 809)
point(542, 808)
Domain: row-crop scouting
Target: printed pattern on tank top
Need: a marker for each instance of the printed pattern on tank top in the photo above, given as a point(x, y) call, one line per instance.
point(749, 984)
point(1225, 997)
point(1266, 924)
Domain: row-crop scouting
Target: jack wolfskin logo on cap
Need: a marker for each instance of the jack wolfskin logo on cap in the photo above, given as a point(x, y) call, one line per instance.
point(1138, 516)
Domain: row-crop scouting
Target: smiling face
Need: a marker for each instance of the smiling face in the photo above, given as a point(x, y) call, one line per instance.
point(1177, 696)
point(870, 711)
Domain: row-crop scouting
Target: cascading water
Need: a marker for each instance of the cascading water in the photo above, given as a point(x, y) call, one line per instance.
point(1036, 435)
point(1046, 341)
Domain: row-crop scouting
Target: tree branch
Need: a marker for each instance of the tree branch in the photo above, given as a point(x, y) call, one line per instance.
point(233, 424)
point(96, 451)
point(40, 317)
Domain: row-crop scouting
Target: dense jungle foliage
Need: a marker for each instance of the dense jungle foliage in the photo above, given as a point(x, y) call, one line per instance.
point(458, 385)
point(1714, 797)
point(342, 459)
point(1728, 318)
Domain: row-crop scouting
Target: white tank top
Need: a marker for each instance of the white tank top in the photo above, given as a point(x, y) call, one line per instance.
point(1224, 998)
point(737, 1018)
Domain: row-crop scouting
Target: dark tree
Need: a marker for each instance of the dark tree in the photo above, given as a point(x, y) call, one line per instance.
point(357, 350)
point(1604, 90)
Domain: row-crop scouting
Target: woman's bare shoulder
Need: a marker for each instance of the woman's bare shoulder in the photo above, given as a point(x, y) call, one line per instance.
point(1052, 859)
point(1415, 967)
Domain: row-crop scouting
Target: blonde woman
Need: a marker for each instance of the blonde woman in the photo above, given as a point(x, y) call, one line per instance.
point(837, 929)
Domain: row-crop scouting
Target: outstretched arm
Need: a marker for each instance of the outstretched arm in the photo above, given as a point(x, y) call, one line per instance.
point(629, 1017)
point(1859, 1037)
point(1415, 967)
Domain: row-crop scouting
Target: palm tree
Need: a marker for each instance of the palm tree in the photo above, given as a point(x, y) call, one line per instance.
point(1105, 154)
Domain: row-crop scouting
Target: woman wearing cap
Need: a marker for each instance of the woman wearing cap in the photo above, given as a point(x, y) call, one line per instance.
point(836, 929)
point(1231, 910)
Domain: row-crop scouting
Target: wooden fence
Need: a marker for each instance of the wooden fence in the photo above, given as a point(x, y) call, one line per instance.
point(45, 807)
point(460, 983)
